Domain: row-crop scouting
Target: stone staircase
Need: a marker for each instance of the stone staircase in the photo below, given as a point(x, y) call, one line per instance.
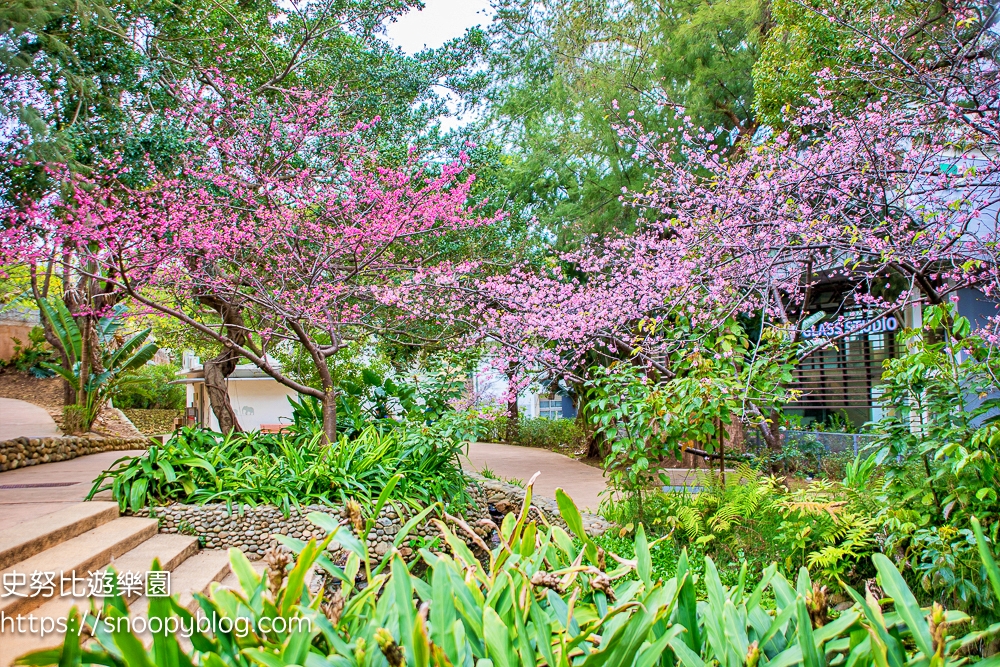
point(84, 538)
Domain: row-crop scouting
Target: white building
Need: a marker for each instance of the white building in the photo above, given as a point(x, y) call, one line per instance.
point(490, 386)
point(258, 400)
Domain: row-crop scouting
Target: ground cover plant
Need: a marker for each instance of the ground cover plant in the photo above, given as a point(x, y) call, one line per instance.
point(539, 597)
point(298, 468)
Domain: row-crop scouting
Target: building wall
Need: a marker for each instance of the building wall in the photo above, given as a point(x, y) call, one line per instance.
point(256, 402)
point(15, 323)
point(8, 332)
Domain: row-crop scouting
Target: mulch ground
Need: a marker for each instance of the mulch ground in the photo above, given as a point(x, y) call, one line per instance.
point(46, 393)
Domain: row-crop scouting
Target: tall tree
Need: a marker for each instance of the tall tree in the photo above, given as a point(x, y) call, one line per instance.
point(293, 218)
point(560, 72)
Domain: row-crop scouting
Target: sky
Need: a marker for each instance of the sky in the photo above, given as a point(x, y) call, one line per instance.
point(437, 22)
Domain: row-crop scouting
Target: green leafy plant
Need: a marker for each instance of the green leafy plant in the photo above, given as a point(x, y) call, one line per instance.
point(716, 380)
point(28, 357)
point(95, 386)
point(938, 444)
point(149, 388)
point(286, 470)
point(540, 597)
point(559, 435)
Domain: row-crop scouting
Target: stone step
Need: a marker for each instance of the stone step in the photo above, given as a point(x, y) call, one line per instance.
point(28, 538)
point(172, 550)
point(195, 575)
point(80, 555)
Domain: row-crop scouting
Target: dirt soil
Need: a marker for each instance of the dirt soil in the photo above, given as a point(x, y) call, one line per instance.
point(47, 393)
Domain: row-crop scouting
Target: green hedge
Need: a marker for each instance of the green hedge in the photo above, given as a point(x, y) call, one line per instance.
point(540, 432)
point(153, 422)
point(148, 388)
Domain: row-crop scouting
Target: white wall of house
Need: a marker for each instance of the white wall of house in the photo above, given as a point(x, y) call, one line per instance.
point(257, 401)
point(489, 387)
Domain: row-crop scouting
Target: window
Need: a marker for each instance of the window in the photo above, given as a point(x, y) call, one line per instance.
point(550, 407)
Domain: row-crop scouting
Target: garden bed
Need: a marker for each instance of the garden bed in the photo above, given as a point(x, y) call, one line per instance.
point(251, 528)
point(153, 422)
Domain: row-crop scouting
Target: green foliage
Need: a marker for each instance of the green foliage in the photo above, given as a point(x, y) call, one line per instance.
point(149, 388)
point(369, 398)
point(288, 470)
point(552, 434)
point(561, 73)
point(118, 356)
point(939, 444)
point(153, 422)
point(751, 517)
point(534, 599)
point(801, 44)
point(28, 357)
point(801, 453)
point(75, 419)
point(720, 378)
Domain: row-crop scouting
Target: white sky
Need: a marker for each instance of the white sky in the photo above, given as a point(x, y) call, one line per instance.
point(439, 21)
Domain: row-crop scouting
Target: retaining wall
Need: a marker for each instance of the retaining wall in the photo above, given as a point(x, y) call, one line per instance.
point(251, 529)
point(23, 452)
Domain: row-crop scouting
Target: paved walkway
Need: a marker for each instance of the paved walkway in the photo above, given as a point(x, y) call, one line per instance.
point(20, 418)
point(582, 482)
point(28, 493)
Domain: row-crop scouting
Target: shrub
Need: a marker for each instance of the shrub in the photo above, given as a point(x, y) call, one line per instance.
point(29, 357)
point(751, 517)
point(939, 447)
point(74, 419)
point(197, 466)
point(153, 422)
point(553, 434)
point(148, 388)
point(538, 598)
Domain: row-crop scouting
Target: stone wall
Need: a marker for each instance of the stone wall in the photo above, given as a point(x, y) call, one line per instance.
point(23, 452)
point(250, 529)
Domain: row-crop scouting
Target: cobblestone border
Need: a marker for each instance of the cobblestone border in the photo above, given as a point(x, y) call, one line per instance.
point(250, 529)
point(24, 452)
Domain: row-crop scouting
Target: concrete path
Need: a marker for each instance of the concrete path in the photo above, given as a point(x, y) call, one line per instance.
point(20, 418)
point(29, 493)
point(582, 482)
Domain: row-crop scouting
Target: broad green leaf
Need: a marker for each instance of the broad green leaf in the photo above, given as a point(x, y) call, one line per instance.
point(906, 604)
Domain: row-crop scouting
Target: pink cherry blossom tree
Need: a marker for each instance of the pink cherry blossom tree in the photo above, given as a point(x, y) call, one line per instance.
point(294, 225)
point(898, 197)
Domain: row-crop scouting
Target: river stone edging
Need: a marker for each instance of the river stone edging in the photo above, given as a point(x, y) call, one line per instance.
point(250, 529)
point(509, 498)
point(24, 451)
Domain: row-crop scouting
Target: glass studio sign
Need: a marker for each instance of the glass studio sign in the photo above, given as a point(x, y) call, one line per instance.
point(854, 327)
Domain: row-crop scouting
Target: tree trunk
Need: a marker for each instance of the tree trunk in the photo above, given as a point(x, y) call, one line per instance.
point(513, 433)
point(223, 365)
point(771, 432)
point(216, 372)
point(330, 417)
